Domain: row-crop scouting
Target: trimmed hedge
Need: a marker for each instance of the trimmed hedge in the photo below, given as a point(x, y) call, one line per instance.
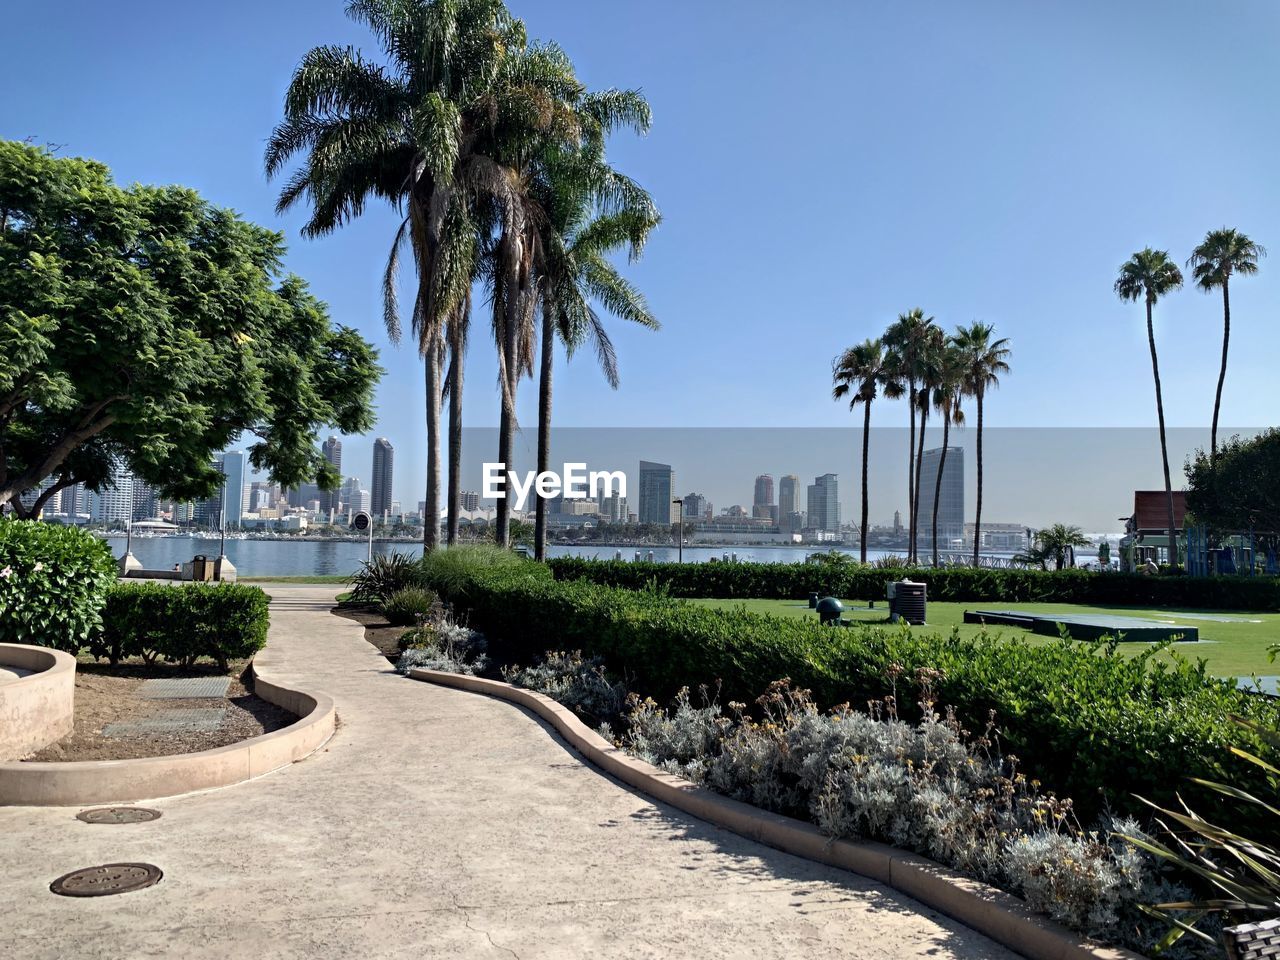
point(53, 581)
point(1089, 723)
point(224, 622)
point(794, 581)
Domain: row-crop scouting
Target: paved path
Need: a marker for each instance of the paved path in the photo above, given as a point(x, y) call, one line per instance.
point(437, 823)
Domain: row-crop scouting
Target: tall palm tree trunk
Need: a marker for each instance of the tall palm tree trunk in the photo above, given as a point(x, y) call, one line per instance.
point(1222, 374)
point(544, 425)
point(911, 472)
point(510, 374)
point(457, 357)
point(977, 517)
point(866, 446)
point(915, 503)
point(431, 512)
point(937, 484)
point(1164, 446)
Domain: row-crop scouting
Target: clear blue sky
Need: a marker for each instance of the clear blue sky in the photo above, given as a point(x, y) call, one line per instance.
point(820, 166)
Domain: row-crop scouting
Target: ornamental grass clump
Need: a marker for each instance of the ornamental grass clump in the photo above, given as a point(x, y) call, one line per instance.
point(928, 786)
point(410, 606)
point(446, 646)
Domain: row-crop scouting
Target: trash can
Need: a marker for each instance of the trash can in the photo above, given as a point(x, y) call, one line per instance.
point(907, 601)
point(202, 568)
point(813, 600)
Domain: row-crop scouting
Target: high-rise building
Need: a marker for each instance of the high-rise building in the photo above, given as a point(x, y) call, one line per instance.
point(613, 509)
point(789, 496)
point(235, 488)
point(74, 502)
point(331, 450)
point(380, 490)
point(950, 496)
point(695, 506)
point(470, 500)
point(656, 484)
point(145, 502)
point(824, 504)
point(114, 504)
point(762, 503)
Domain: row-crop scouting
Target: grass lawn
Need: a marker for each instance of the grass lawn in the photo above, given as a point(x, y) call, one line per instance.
point(327, 578)
point(1232, 643)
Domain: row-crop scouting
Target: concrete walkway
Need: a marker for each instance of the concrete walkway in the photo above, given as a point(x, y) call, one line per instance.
point(437, 823)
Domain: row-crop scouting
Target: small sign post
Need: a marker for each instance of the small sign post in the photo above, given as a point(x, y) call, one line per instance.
point(362, 522)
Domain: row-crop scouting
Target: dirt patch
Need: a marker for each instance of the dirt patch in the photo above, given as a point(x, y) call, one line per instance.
point(109, 695)
point(376, 629)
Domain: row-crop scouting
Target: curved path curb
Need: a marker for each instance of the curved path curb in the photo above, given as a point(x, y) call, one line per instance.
point(85, 782)
point(1001, 916)
point(35, 710)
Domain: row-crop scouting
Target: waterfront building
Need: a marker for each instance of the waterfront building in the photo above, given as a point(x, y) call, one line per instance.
point(656, 484)
point(950, 499)
point(331, 450)
point(824, 504)
point(695, 506)
point(114, 504)
point(380, 490)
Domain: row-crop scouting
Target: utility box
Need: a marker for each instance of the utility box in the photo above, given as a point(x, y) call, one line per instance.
point(202, 568)
point(907, 601)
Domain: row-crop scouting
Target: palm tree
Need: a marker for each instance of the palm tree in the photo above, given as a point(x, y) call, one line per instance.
point(591, 212)
point(1053, 543)
point(930, 368)
point(905, 339)
point(948, 392)
point(858, 374)
point(984, 361)
point(1149, 275)
point(412, 132)
point(1222, 253)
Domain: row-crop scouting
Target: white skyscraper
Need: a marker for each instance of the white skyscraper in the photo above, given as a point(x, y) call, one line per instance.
point(235, 488)
point(114, 505)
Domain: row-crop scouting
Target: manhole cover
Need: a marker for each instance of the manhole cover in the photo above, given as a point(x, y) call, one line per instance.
point(118, 815)
point(107, 879)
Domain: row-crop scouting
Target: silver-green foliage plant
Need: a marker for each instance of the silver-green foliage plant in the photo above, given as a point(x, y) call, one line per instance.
point(53, 584)
point(447, 646)
point(579, 683)
point(929, 786)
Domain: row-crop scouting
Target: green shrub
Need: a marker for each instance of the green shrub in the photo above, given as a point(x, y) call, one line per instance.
point(794, 581)
point(380, 577)
point(1087, 721)
point(53, 581)
point(450, 572)
point(410, 606)
point(181, 624)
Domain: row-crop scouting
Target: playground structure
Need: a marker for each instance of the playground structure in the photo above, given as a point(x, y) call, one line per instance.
point(1246, 553)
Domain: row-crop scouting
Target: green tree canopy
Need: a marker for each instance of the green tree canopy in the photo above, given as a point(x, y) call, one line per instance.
point(145, 325)
point(1241, 490)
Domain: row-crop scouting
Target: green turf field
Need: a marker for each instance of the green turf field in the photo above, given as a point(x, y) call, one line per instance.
point(1232, 643)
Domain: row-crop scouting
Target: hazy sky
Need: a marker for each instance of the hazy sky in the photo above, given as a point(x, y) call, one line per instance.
point(821, 167)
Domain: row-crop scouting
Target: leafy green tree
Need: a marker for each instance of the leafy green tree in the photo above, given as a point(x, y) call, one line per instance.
point(1239, 489)
point(1222, 253)
point(143, 325)
point(1148, 275)
point(984, 361)
point(858, 374)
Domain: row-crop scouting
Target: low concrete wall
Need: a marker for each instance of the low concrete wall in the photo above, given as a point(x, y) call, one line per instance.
point(35, 710)
point(110, 781)
point(1001, 916)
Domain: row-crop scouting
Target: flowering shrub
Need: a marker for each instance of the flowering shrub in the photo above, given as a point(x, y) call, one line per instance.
point(930, 787)
point(578, 683)
point(446, 646)
point(53, 584)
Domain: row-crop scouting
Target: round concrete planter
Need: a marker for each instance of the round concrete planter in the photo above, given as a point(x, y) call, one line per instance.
point(35, 710)
point(1001, 916)
point(109, 781)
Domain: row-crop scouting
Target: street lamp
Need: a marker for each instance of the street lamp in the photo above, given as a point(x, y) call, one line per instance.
point(679, 501)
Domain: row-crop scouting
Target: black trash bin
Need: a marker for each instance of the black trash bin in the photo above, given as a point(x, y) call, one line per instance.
point(202, 567)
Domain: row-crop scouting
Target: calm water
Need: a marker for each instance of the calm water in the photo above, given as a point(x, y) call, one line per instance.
point(264, 558)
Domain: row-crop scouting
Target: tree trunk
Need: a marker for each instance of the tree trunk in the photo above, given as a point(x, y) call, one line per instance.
point(1222, 374)
point(866, 445)
point(457, 351)
point(510, 346)
point(977, 518)
point(544, 426)
point(915, 506)
point(1164, 446)
point(431, 512)
point(937, 484)
point(911, 472)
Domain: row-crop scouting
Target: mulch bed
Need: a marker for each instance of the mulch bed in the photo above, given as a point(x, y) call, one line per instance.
point(106, 695)
point(376, 629)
